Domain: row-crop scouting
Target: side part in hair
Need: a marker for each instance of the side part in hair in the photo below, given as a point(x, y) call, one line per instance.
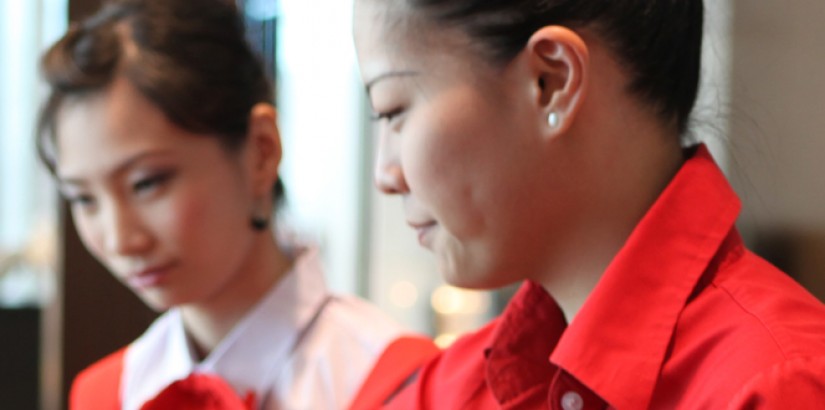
point(189, 58)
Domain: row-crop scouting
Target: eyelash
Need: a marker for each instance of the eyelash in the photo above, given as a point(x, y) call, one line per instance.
point(80, 200)
point(139, 187)
point(150, 182)
point(386, 116)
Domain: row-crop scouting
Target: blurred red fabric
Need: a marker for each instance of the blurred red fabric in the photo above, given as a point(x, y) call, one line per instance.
point(200, 392)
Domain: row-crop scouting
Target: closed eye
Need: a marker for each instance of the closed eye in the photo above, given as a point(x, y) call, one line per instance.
point(80, 200)
point(386, 116)
point(147, 185)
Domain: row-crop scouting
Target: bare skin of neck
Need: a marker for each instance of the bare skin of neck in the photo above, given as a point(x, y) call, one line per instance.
point(615, 213)
point(630, 156)
point(208, 322)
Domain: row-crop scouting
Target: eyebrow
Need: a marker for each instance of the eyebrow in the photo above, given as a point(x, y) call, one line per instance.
point(63, 182)
point(390, 74)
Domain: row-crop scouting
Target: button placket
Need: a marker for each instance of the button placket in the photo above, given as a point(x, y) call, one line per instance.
point(572, 400)
point(567, 393)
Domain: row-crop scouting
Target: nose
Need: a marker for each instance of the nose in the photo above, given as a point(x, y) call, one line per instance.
point(125, 234)
point(389, 174)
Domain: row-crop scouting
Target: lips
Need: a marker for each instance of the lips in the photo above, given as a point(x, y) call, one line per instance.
point(149, 278)
point(420, 219)
point(424, 230)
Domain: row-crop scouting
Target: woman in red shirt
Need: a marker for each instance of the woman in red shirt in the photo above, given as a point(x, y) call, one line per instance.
point(546, 142)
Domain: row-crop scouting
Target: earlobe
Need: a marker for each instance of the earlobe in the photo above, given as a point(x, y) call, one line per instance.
point(264, 141)
point(559, 60)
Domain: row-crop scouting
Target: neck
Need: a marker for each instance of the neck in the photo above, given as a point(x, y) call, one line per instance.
point(632, 173)
point(207, 322)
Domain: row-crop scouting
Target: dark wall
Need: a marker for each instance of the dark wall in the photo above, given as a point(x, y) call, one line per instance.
point(82, 8)
point(19, 358)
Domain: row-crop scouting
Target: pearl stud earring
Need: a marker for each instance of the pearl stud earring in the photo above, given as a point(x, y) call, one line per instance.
point(553, 119)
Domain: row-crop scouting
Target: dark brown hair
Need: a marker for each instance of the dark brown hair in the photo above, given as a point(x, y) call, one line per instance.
point(658, 41)
point(188, 57)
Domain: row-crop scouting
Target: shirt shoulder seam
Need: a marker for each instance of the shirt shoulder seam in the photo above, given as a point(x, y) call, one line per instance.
point(756, 317)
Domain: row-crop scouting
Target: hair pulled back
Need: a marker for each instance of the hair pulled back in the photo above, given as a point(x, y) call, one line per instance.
point(190, 58)
point(659, 42)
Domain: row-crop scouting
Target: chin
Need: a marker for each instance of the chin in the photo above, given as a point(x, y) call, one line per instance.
point(471, 267)
point(468, 278)
point(158, 307)
point(158, 302)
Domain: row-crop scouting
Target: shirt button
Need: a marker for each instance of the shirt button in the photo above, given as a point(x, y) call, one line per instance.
point(572, 401)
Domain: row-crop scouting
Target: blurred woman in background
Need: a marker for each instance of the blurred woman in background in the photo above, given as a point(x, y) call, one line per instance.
point(162, 135)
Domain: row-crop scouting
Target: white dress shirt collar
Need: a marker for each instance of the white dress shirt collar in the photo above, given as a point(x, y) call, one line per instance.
point(245, 358)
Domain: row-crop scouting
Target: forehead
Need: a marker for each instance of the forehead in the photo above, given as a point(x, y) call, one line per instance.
point(377, 16)
point(98, 131)
point(378, 35)
point(390, 36)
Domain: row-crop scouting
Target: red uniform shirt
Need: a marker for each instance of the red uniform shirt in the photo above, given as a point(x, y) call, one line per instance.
point(684, 318)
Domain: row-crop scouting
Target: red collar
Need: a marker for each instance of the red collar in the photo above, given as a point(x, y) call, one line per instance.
point(517, 359)
point(619, 339)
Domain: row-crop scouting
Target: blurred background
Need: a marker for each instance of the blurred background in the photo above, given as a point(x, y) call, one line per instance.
point(761, 111)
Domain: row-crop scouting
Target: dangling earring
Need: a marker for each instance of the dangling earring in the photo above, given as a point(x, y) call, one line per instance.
point(259, 223)
point(553, 119)
point(259, 220)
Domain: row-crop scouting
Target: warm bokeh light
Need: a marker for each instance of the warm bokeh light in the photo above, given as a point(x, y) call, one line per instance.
point(444, 340)
point(403, 294)
point(449, 300)
point(446, 300)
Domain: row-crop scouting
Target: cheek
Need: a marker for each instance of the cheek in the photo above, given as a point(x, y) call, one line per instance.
point(453, 161)
point(90, 234)
point(439, 167)
point(182, 217)
point(200, 217)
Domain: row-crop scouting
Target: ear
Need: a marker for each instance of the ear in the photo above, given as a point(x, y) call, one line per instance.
point(264, 147)
point(559, 61)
